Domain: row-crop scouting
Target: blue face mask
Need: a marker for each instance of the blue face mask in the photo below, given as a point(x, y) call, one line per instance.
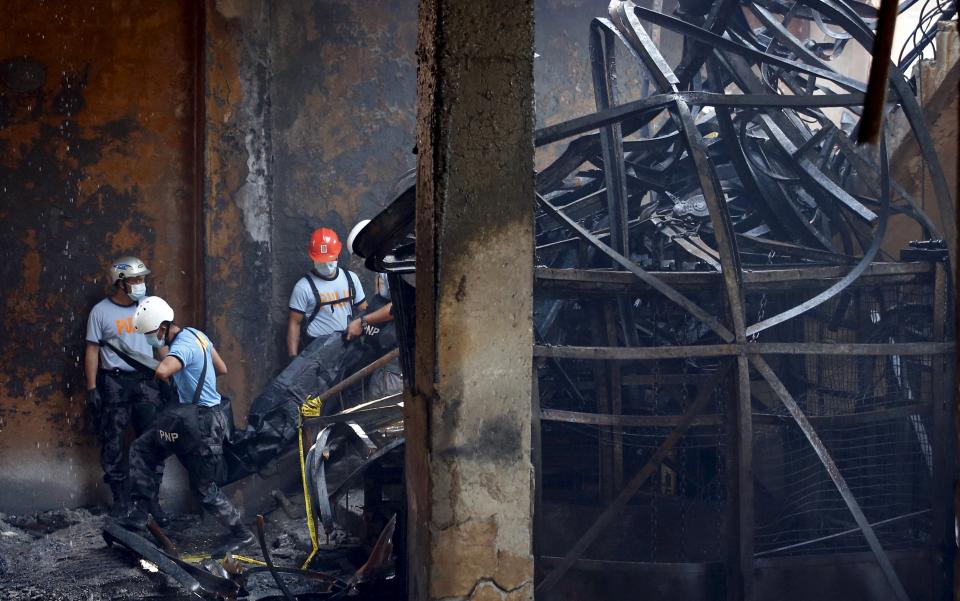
point(155, 342)
point(326, 269)
point(137, 291)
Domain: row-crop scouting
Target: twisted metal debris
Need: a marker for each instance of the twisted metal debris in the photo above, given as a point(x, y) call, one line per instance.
point(734, 165)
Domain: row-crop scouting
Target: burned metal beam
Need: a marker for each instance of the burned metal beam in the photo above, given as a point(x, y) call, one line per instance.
point(631, 488)
point(824, 455)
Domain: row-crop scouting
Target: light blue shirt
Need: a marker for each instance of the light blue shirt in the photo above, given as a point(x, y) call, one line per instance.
point(191, 352)
point(331, 318)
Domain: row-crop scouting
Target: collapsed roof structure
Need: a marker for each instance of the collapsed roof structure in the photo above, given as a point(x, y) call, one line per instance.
point(732, 366)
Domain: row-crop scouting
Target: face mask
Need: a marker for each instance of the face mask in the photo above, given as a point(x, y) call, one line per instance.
point(137, 291)
point(155, 342)
point(326, 269)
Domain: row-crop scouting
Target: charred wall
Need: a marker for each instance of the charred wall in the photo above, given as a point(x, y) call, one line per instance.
point(95, 161)
point(343, 90)
point(211, 142)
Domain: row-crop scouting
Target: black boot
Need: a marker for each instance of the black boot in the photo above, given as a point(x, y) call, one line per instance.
point(239, 535)
point(121, 500)
point(136, 517)
point(159, 515)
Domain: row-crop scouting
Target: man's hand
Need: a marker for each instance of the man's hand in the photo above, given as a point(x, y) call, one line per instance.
point(355, 329)
point(94, 403)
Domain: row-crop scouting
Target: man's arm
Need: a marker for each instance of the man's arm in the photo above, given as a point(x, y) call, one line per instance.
point(293, 333)
point(218, 364)
point(91, 361)
point(169, 366)
point(380, 316)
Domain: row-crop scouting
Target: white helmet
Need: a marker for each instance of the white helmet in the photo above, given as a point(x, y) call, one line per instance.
point(127, 267)
point(354, 233)
point(151, 314)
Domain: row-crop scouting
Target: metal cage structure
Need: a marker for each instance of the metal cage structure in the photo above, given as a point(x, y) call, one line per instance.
point(739, 392)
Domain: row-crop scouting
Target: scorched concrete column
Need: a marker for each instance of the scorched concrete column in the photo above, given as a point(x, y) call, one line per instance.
point(468, 422)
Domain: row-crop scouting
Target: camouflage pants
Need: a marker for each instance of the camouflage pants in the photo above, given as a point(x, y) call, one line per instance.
point(205, 466)
point(126, 398)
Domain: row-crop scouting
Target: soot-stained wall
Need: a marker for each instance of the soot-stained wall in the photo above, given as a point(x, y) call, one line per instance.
point(343, 89)
point(305, 117)
point(95, 162)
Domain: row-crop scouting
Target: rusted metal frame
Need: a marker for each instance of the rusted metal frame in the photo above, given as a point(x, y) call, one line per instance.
point(824, 455)
point(616, 397)
point(943, 542)
point(716, 23)
point(626, 421)
point(854, 273)
point(723, 44)
point(639, 272)
point(600, 234)
point(775, 219)
point(753, 280)
point(811, 174)
point(864, 163)
point(601, 397)
point(821, 539)
point(659, 102)
point(621, 353)
point(866, 417)
point(633, 486)
point(739, 508)
point(871, 122)
point(687, 244)
point(603, 67)
point(706, 174)
point(799, 251)
point(717, 206)
point(780, 33)
point(653, 569)
point(911, 110)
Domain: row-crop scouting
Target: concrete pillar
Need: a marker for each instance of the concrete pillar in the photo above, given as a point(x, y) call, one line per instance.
point(468, 416)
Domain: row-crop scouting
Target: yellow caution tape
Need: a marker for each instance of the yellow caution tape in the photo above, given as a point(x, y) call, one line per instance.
point(311, 407)
point(199, 557)
point(195, 558)
point(306, 489)
point(250, 560)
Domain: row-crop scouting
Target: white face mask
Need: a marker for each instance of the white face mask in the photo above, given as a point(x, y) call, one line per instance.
point(326, 269)
point(137, 291)
point(155, 342)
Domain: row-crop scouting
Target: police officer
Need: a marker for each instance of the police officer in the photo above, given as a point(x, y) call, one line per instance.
point(379, 315)
point(199, 429)
point(324, 299)
point(116, 393)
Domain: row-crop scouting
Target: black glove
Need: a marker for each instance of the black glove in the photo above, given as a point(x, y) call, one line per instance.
point(93, 403)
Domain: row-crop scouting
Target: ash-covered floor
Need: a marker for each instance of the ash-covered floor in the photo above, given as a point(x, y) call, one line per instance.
point(61, 556)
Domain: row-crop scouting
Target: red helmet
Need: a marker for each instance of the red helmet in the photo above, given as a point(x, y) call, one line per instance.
point(324, 246)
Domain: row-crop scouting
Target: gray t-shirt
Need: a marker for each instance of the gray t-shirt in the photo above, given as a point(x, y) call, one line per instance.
point(108, 319)
point(331, 318)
